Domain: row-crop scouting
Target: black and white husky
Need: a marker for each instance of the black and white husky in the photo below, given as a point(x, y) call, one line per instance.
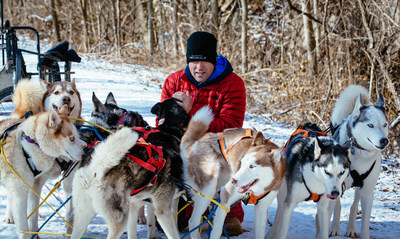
point(316, 167)
point(365, 126)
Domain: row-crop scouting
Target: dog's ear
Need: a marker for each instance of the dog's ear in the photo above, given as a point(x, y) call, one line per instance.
point(44, 85)
point(73, 83)
point(258, 140)
point(357, 106)
point(317, 148)
point(110, 99)
point(54, 119)
point(380, 103)
point(156, 109)
point(97, 105)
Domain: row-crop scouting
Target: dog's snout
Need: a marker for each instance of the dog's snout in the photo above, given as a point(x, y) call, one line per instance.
point(233, 181)
point(384, 142)
point(335, 193)
point(66, 100)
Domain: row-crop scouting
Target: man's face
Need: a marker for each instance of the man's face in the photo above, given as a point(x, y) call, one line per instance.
point(201, 70)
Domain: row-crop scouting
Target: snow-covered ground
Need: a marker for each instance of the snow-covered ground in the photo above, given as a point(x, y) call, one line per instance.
point(138, 88)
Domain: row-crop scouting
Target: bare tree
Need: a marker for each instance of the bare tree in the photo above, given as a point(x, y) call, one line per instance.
point(54, 17)
point(174, 28)
point(244, 35)
point(309, 39)
point(150, 26)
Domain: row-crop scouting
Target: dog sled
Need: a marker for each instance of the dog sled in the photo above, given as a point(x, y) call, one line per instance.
point(14, 68)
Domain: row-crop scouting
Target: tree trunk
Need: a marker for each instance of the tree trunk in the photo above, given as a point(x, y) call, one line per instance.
point(83, 4)
point(244, 35)
point(192, 14)
point(214, 18)
point(161, 29)
point(174, 29)
point(140, 18)
point(309, 39)
point(56, 27)
point(317, 27)
point(150, 26)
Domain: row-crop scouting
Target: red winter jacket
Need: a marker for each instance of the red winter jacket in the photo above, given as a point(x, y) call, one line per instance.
point(226, 98)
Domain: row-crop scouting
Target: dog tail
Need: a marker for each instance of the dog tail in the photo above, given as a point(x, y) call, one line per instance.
point(346, 103)
point(198, 126)
point(27, 97)
point(109, 153)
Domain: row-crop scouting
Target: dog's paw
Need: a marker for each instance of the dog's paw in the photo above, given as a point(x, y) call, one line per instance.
point(352, 234)
point(8, 220)
point(333, 233)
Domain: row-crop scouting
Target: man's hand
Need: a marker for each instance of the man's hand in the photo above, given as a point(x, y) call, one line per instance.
point(185, 102)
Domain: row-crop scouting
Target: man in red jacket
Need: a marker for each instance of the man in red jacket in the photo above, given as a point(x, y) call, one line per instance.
point(208, 79)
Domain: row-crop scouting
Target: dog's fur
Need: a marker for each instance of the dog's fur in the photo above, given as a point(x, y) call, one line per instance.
point(55, 136)
point(105, 190)
point(319, 164)
point(254, 165)
point(354, 117)
point(109, 115)
point(36, 96)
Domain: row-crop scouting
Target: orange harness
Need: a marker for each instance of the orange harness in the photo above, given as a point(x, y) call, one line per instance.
point(221, 143)
point(305, 133)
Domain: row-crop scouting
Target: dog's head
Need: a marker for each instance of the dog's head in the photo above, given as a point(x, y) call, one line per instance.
point(170, 114)
point(62, 93)
point(369, 125)
point(331, 164)
point(110, 115)
point(55, 134)
point(262, 169)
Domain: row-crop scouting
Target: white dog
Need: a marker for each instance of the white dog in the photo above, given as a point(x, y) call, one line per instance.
point(355, 120)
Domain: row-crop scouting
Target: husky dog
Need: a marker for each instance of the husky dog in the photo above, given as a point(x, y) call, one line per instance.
point(365, 126)
point(31, 147)
point(106, 178)
point(36, 96)
point(252, 166)
point(316, 169)
point(110, 116)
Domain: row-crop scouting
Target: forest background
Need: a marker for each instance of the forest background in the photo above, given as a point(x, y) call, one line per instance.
point(294, 56)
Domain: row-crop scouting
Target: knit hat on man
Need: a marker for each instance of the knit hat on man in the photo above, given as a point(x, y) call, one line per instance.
point(201, 46)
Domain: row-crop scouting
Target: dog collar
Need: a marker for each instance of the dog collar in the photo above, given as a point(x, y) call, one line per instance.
point(121, 120)
point(30, 140)
point(353, 141)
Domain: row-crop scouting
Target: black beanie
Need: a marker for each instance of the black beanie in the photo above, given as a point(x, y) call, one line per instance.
point(201, 46)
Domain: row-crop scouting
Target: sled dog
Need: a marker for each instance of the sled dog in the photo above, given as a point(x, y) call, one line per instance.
point(354, 119)
point(252, 165)
point(36, 96)
point(110, 183)
point(316, 168)
point(31, 147)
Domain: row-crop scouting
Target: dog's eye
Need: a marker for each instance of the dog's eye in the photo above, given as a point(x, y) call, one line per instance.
point(328, 173)
point(71, 92)
point(57, 92)
point(252, 166)
point(72, 139)
point(384, 125)
point(370, 125)
point(341, 173)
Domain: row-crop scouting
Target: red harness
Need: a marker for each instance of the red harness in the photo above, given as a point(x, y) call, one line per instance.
point(154, 164)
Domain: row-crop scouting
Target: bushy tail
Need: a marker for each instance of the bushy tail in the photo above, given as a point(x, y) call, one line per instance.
point(198, 126)
point(109, 153)
point(346, 102)
point(27, 97)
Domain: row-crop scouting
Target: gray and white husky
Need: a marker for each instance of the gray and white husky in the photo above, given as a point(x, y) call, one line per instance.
point(316, 167)
point(365, 126)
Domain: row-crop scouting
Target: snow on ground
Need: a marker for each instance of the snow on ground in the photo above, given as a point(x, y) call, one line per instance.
point(138, 88)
